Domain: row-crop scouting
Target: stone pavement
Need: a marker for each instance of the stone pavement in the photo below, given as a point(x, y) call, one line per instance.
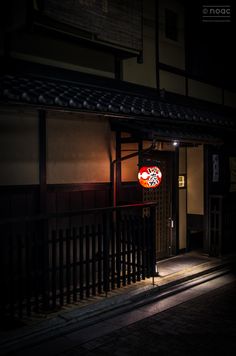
point(205, 325)
point(173, 273)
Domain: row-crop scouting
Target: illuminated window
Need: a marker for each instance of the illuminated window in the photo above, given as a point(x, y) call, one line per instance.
point(182, 181)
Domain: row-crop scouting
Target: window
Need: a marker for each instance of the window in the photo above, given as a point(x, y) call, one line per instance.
point(171, 25)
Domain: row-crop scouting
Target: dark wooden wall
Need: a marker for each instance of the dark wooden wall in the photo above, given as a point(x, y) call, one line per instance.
point(131, 192)
point(18, 201)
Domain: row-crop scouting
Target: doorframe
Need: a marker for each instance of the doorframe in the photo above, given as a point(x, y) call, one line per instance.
point(174, 162)
point(172, 158)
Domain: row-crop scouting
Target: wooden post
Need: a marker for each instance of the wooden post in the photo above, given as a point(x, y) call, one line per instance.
point(42, 162)
point(118, 169)
point(43, 207)
point(175, 203)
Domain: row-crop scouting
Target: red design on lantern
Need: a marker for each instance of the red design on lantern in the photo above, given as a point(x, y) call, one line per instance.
point(149, 177)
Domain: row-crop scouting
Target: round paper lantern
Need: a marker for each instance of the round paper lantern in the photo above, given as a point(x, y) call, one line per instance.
point(149, 177)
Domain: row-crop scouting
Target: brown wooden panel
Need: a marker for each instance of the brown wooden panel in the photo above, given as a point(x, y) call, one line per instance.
point(79, 196)
point(19, 200)
point(24, 200)
point(131, 192)
point(76, 200)
point(62, 201)
point(102, 198)
point(5, 206)
point(88, 199)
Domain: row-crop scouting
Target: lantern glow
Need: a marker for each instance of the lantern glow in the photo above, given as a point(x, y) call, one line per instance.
point(149, 177)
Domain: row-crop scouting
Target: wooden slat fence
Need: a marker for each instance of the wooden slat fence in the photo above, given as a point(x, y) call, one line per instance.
point(50, 261)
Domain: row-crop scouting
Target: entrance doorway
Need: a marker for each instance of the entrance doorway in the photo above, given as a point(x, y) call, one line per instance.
point(162, 195)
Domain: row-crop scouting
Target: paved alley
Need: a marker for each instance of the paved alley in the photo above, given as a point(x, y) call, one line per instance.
point(205, 325)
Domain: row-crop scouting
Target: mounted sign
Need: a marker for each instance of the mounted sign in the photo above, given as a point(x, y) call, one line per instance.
point(215, 168)
point(149, 177)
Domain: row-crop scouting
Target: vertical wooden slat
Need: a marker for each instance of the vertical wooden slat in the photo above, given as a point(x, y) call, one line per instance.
point(118, 247)
point(61, 267)
point(128, 227)
point(3, 280)
point(11, 275)
point(54, 268)
point(124, 240)
point(74, 237)
point(133, 245)
point(94, 235)
point(28, 270)
point(81, 262)
point(105, 254)
point(37, 274)
point(99, 256)
point(87, 264)
point(143, 245)
point(138, 246)
point(112, 239)
point(68, 266)
point(45, 267)
point(147, 238)
point(19, 275)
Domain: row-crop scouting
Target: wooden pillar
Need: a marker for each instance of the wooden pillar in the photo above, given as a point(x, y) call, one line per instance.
point(175, 203)
point(118, 169)
point(42, 162)
point(43, 227)
point(206, 200)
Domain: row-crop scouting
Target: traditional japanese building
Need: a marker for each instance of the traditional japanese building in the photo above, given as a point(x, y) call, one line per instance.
point(90, 93)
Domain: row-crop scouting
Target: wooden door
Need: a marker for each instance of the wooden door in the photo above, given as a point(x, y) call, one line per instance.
point(162, 195)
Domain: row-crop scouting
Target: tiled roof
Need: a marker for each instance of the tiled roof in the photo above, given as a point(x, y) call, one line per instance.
point(180, 133)
point(72, 95)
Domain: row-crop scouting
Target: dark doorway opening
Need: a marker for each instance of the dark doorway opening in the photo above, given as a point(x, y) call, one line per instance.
point(195, 232)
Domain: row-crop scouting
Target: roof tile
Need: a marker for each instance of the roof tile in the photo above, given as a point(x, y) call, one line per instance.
point(49, 92)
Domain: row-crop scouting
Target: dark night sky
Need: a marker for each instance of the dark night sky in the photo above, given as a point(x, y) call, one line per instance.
point(212, 45)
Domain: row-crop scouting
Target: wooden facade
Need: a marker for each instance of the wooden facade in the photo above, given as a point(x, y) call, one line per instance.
point(77, 116)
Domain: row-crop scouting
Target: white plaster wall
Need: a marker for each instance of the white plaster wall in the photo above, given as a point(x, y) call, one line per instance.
point(172, 82)
point(204, 91)
point(79, 149)
point(145, 73)
point(18, 147)
point(171, 52)
point(129, 168)
point(230, 98)
point(195, 180)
